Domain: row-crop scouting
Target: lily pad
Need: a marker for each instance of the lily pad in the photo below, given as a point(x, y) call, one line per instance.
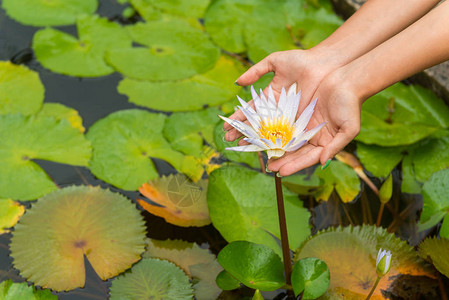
point(163, 57)
point(52, 238)
point(21, 90)
point(254, 265)
point(60, 111)
point(27, 138)
point(402, 115)
point(340, 177)
point(226, 281)
point(10, 212)
point(123, 143)
point(242, 206)
point(437, 251)
point(350, 254)
point(211, 88)
point(185, 8)
point(380, 161)
point(15, 291)
point(303, 184)
point(84, 57)
point(177, 199)
point(199, 264)
point(48, 12)
point(152, 279)
point(311, 277)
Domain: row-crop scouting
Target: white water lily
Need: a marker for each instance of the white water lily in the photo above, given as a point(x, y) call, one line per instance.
point(383, 262)
point(273, 126)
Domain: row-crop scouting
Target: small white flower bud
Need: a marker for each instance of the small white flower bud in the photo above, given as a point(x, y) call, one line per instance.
point(383, 262)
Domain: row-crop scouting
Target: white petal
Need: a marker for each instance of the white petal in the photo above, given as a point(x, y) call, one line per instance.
point(253, 93)
point(292, 90)
point(296, 146)
point(304, 118)
point(242, 127)
point(257, 142)
point(269, 105)
point(309, 134)
point(278, 144)
point(250, 114)
point(269, 143)
point(282, 105)
point(246, 148)
point(275, 153)
point(292, 107)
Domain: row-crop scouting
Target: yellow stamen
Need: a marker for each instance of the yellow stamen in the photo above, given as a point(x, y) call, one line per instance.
point(276, 129)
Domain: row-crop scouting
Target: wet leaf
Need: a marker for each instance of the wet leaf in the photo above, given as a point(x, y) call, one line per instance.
point(242, 206)
point(83, 57)
point(27, 138)
point(303, 184)
point(16, 291)
point(123, 144)
point(21, 90)
point(60, 111)
point(10, 212)
point(211, 88)
point(340, 177)
point(378, 160)
point(199, 264)
point(402, 115)
point(350, 254)
point(254, 265)
point(48, 12)
point(311, 277)
point(226, 281)
point(437, 251)
point(152, 279)
point(178, 200)
point(52, 238)
point(160, 56)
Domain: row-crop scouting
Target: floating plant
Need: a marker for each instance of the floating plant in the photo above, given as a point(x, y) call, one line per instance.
point(16, 291)
point(59, 112)
point(10, 212)
point(436, 251)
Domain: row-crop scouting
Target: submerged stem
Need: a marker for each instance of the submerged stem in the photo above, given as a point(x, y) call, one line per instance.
point(379, 215)
point(283, 226)
point(374, 288)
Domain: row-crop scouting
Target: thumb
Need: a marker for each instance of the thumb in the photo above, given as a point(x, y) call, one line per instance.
point(341, 139)
point(255, 72)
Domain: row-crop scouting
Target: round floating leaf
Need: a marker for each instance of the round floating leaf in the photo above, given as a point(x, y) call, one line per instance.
point(350, 254)
point(242, 206)
point(48, 12)
point(341, 177)
point(21, 291)
point(312, 276)
point(152, 279)
point(123, 143)
point(185, 8)
point(21, 90)
point(254, 265)
point(437, 251)
point(435, 199)
point(225, 21)
point(402, 115)
point(379, 161)
point(198, 263)
point(33, 137)
point(52, 238)
point(178, 200)
point(226, 281)
point(84, 57)
point(303, 184)
point(60, 111)
point(164, 57)
point(211, 88)
point(10, 212)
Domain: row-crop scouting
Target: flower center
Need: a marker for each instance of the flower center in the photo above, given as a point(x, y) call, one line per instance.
point(276, 129)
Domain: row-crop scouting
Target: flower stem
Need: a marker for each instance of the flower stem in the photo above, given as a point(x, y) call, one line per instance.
point(379, 214)
point(374, 288)
point(283, 226)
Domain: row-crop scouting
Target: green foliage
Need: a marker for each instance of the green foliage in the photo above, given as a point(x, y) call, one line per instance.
point(386, 190)
point(311, 277)
point(16, 291)
point(436, 251)
point(254, 265)
point(378, 160)
point(302, 184)
point(226, 281)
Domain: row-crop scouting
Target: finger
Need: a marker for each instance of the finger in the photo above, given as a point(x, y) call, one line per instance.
point(275, 164)
point(301, 162)
point(340, 140)
point(255, 72)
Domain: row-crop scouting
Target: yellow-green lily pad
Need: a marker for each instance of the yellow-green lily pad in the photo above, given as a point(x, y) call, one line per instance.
point(21, 90)
point(185, 8)
point(60, 111)
point(48, 12)
point(10, 212)
point(52, 238)
point(437, 251)
point(83, 56)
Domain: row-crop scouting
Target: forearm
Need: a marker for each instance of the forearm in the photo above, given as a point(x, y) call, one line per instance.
point(423, 44)
point(375, 22)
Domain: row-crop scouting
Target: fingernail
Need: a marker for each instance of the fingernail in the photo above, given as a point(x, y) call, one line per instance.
point(278, 175)
point(327, 164)
point(267, 170)
point(235, 82)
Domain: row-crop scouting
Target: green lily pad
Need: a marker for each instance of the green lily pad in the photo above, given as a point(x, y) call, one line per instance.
point(311, 277)
point(242, 206)
point(402, 115)
point(435, 199)
point(185, 8)
point(21, 90)
point(152, 279)
point(208, 89)
point(379, 161)
point(340, 177)
point(437, 250)
point(10, 212)
point(27, 138)
point(48, 12)
point(161, 57)
point(123, 143)
point(60, 111)
point(254, 265)
point(226, 281)
point(199, 264)
point(146, 10)
point(409, 183)
point(303, 184)
point(16, 291)
point(52, 238)
point(84, 57)
point(225, 21)
point(350, 254)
